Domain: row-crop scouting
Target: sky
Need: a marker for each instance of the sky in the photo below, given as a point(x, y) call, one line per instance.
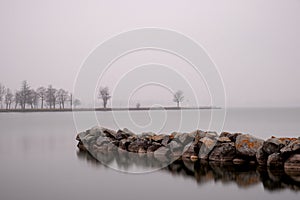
point(254, 44)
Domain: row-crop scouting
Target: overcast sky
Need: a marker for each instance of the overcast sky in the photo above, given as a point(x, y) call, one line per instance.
point(255, 44)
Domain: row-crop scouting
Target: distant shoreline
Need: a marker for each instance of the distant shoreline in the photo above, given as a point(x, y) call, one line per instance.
point(105, 109)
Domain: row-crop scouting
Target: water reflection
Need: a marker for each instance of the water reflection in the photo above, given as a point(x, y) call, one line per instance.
point(201, 172)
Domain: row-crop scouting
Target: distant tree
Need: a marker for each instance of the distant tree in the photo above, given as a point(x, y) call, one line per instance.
point(24, 94)
point(33, 99)
point(51, 96)
point(62, 97)
point(17, 99)
point(76, 103)
point(104, 95)
point(8, 98)
point(41, 92)
point(2, 93)
point(71, 100)
point(178, 97)
point(138, 105)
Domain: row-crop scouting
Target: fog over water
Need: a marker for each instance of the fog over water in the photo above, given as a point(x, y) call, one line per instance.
point(255, 44)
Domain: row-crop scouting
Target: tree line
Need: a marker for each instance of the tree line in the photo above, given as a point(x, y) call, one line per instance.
point(40, 98)
point(52, 98)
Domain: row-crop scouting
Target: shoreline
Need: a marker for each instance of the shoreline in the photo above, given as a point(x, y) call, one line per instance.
point(105, 109)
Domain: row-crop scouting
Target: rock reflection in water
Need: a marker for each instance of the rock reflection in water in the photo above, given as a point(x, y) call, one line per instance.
point(203, 172)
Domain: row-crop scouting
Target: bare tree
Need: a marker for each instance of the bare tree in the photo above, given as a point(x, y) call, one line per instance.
point(41, 92)
point(8, 98)
point(32, 99)
point(71, 100)
point(178, 97)
point(24, 94)
point(62, 97)
point(76, 103)
point(104, 95)
point(51, 96)
point(17, 99)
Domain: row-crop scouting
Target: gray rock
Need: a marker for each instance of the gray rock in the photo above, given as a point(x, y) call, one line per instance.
point(89, 139)
point(261, 156)
point(111, 147)
point(81, 135)
point(95, 131)
point(123, 134)
point(166, 140)
point(183, 138)
point(207, 144)
point(247, 145)
point(102, 139)
point(175, 146)
point(273, 145)
point(223, 152)
point(190, 150)
point(97, 148)
point(275, 160)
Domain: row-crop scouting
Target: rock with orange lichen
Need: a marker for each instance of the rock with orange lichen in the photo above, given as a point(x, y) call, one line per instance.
point(247, 145)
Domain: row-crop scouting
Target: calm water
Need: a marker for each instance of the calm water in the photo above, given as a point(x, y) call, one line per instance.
point(39, 160)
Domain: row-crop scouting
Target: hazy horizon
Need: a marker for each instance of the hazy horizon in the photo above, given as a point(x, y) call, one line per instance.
point(254, 44)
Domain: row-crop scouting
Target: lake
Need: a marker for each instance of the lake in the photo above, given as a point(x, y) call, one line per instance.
point(40, 160)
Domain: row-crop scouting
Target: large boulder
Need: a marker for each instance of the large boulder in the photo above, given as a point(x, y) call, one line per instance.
point(190, 150)
point(223, 152)
point(261, 156)
point(247, 145)
point(292, 148)
point(207, 144)
point(176, 147)
point(101, 140)
point(183, 138)
point(275, 160)
point(273, 145)
point(123, 134)
point(165, 140)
